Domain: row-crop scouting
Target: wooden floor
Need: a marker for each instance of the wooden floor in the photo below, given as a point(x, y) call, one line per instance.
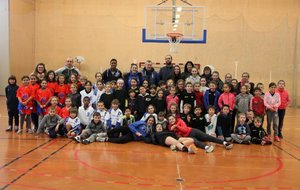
point(27, 162)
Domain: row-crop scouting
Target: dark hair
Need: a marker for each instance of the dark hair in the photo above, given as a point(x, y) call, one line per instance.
point(36, 68)
point(228, 84)
point(25, 77)
point(73, 110)
point(96, 114)
point(256, 88)
point(211, 107)
point(272, 84)
point(12, 77)
point(88, 82)
point(127, 108)
point(207, 68)
point(161, 83)
point(47, 76)
point(113, 60)
point(151, 116)
point(186, 64)
point(87, 98)
point(225, 105)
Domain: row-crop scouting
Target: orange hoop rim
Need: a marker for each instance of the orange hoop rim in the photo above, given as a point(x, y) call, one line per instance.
point(174, 34)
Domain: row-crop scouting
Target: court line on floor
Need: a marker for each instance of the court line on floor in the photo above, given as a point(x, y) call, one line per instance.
point(291, 143)
point(26, 153)
point(287, 152)
point(36, 165)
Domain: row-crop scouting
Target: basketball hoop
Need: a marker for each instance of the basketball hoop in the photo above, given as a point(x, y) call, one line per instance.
point(174, 39)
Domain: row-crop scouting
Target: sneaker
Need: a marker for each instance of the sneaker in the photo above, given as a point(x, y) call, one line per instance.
point(77, 139)
point(85, 141)
point(19, 131)
point(9, 128)
point(263, 143)
point(246, 142)
point(276, 138)
point(228, 146)
point(209, 149)
point(16, 128)
point(101, 139)
point(29, 131)
point(173, 147)
point(192, 149)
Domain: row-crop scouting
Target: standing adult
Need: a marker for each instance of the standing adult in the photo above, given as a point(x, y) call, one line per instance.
point(133, 73)
point(187, 70)
point(165, 72)
point(68, 69)
point(228, 78)
point(215, 77)
point(207, 74)
point(176, 74)
point(245, 80)
point(112, 73)
point(40, 71)
point(149, 74)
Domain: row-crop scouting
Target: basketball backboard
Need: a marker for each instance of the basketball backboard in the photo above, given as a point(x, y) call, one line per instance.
point(187, 20)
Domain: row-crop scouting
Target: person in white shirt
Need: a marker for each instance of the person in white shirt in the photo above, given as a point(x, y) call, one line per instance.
point(114, 115)
point(85, 112)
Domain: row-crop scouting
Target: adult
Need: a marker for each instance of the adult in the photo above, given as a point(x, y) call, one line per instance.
point(187, 70)
point(176, 74)
point(133, 73)
point(68, 69)
point(216, 77)
point(149, 74)
point(207, 74)
point(112, 73)
point(165, 71)
point(40, 71)
point(245, 81)
point(228, 78)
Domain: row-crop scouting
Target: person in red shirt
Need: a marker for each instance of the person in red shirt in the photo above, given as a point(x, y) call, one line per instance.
point(62, 90)
point(64, 112)
point(25, 95)
point(43, 97)
point(257, 104)
point(51, 81)
point(198, 95)
point(285, 101)
point(178, 126)
point(54, 104)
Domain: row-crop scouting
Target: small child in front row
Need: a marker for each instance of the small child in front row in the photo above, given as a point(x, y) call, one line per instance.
point(101, 109)
point(224, 125)
point(258, 134)
point(242, 131)
point(72, 124)
point(52, 122)
point(95, 131)
point(211, 121)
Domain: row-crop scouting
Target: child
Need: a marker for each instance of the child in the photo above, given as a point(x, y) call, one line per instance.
point(258, 134)
point(186, 115)
point(143, 100)
point(227, 97)
point(194, 77)
point(114, 115)
point(99, 90)
point(52, 123)
point(101, 109)
point(43, 97)
point(174, 110)
point(169, 139)
point(272, 101)
point(162, 120)
point(25, 96)
point(131, 102)
point(62, 90)
point(224, 125)
point(146, 85)
point(261, 87)
point(51, 81)
point(198, 121)
point(95, 131)
point(150, 111)
point(152, 93)
point(82, 81)
point(242, 101)
point(34, 88)
point(12, 103)
point(203, 85)
point(75, 96)
point(74, 80)
point(250, 118)
point(211, 121)
point(87, 92)
point(128, 118)
point(134, 86)
point(98, 78)
point(235, 89)
point(198, 95)
point(172, 98)
point(188, 96)
point(113, 86)
point(242, 131)
point(257, 104)
point(179, 87)
point(211, 96)
point(85, 112)
point(54, 104)
point(73, 124)
point(285, 101)
point(160, 102)
point(107, 96)
point(120, 93)
point(65, 111)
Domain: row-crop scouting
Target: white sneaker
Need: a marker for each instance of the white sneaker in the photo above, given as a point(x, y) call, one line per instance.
point(209, 149)
point(173, 147)
point(228, 146)
point(19, 131)
point(9, 128)
point(77, 139)
point(16, 128)
point(192, 149)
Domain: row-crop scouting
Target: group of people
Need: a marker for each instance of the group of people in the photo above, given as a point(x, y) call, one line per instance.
point(182, 110)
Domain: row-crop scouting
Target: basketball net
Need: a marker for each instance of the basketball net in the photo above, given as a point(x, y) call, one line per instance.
point(174, 39)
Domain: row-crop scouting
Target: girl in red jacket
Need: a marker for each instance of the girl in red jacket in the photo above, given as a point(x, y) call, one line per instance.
point(182, 130)
point(285, 101)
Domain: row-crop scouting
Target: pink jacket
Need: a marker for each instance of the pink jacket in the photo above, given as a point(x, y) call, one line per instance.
point(170, 99)
point(284, 97)
point(272, 101)
point(227, 98)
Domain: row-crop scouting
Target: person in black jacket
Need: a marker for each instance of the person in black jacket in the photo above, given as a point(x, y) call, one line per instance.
point(12, 103)
point(165, 72)
point(258, 134)
point(112, 73)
